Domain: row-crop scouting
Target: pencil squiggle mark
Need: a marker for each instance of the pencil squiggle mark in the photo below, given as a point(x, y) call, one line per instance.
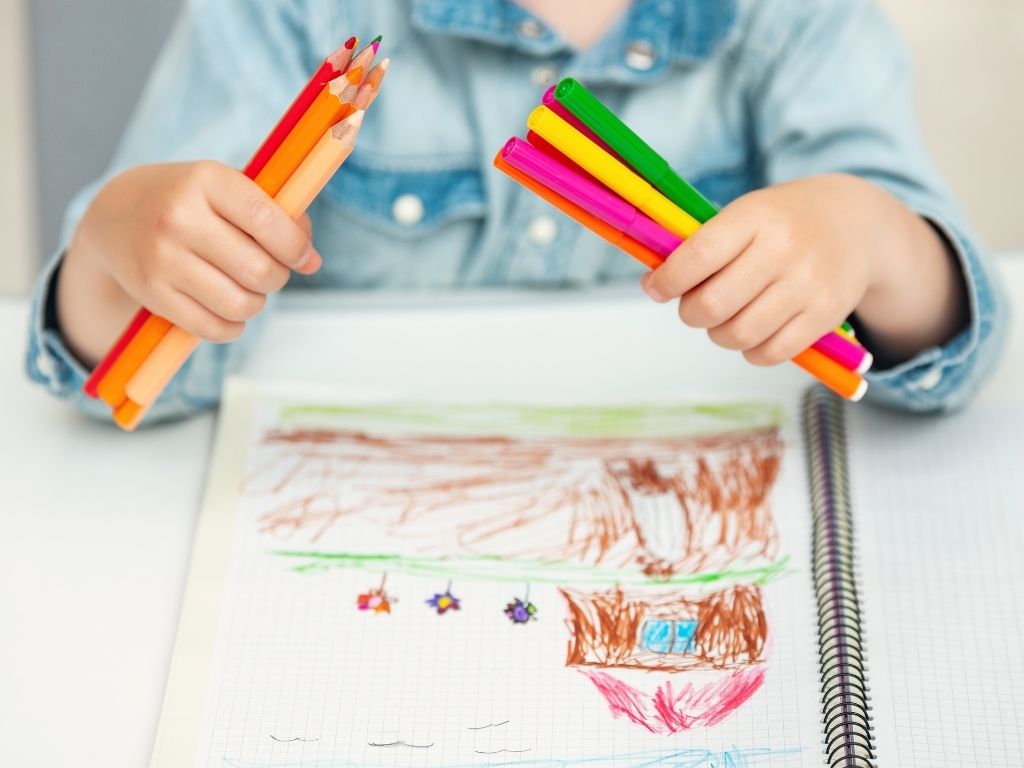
point(499, 751)
point(489, 725)
point(670, 711)
point(286, 741)
point(400, 744)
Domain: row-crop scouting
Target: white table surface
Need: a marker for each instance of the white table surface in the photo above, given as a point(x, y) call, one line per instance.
point(97, 525)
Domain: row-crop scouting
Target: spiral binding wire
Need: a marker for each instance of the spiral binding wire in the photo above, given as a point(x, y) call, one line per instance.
point(846, 713)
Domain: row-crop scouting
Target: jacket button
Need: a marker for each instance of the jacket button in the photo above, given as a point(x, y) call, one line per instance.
point(543, 76)
point(407, 209)
point(640, 55)
point(542, 231)
point(930, 380)
point(529, 29)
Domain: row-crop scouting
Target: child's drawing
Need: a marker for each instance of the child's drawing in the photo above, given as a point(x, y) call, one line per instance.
point(655, 537)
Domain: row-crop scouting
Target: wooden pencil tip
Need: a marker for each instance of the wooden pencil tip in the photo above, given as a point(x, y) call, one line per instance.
point(351, 42)
point(354, 75)
point(377, 39)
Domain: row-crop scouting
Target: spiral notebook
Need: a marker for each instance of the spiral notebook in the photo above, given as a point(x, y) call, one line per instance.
point(558, 586)
point(917, 538)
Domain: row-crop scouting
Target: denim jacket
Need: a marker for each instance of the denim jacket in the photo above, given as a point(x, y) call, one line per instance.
point(737, 94)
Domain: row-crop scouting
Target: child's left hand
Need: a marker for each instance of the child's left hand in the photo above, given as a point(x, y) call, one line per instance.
point(780, 267)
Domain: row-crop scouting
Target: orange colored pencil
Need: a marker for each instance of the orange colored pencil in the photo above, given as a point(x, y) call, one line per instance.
point(333, 105)
point(638, 251)
point(840, 380)
point(128, 415)
point(320, 164)
point(112, 388)
point(162, 363)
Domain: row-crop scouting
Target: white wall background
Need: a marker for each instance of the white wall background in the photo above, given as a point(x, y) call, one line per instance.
point(17, 191)
point(969, 56)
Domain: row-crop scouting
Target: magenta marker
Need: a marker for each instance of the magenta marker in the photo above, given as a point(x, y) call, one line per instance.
point(590, 196)
point(852, 357)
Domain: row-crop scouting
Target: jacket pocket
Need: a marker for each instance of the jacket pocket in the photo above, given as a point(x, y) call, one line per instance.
point(400, 224)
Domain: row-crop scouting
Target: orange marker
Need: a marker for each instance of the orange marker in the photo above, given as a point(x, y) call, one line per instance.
point(111, 388)
point(840, 380)
point(638, 251)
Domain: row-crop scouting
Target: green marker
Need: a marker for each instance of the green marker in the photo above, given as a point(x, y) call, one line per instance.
point(631, 148)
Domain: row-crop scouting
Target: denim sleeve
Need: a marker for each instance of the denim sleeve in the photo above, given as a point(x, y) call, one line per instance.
point(227, 71)
point(833, 94)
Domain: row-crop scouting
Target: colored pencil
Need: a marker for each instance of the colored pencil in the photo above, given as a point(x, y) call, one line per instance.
point(638, 251)
point(844, 382)
point(610, 172)
point(320, 165)
point(153, 376)
point(333, 67)
point(92, 383)
point(332, 105)
point(111, 388)
point(633, 150)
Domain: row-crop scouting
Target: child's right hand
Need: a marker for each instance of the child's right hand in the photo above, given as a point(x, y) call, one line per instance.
point(197, 243)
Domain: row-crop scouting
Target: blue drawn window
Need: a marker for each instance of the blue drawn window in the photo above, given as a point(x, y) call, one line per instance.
point(668, 635)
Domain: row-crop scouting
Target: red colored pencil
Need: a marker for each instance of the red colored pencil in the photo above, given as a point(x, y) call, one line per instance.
point(333, 66)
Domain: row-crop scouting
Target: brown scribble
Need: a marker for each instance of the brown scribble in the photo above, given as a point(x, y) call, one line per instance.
point(607, 629)
point(666, 505)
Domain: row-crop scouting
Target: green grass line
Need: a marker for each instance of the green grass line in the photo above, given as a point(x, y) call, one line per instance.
point(494, 568)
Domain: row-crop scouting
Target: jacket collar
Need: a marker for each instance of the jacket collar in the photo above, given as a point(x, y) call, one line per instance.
point(674, 31)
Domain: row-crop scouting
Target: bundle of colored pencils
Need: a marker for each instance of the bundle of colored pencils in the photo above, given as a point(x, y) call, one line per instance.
point(312, 140)
point(585, 161)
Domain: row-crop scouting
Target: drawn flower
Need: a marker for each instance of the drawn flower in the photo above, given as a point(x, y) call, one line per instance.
point(521, 611)
point(376, 600)
point(443, 602)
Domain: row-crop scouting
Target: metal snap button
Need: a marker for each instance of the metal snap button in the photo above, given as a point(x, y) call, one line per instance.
point(640, 55)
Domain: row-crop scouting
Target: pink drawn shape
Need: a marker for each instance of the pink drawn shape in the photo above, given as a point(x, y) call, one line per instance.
point(669, 711)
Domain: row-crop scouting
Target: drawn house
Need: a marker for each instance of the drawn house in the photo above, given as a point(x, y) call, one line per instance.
point(666, 631)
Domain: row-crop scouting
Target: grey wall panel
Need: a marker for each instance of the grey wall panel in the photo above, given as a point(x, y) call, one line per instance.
point(90, 61)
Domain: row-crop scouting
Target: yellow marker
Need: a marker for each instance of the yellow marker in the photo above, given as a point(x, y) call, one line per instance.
point(610, 172)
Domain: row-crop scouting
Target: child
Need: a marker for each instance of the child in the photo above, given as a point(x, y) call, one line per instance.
point(795, 112)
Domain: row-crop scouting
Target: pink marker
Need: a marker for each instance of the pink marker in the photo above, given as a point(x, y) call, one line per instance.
point(851, 356)
point(555, 106)
point(588, 195)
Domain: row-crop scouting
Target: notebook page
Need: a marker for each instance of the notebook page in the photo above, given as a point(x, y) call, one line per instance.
point(389, 600)
point(940, 508)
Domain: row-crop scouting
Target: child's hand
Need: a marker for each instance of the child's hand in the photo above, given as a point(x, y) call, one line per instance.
point(197, 243)
point(780, 267)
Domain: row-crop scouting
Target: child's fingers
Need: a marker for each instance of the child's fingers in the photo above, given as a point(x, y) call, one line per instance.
point(218, 293)
point(193, 317)
point(721, 296)
point(249, 208)
point(758, 321)
point(713, 246)
point(239, 257)
point(786, 343)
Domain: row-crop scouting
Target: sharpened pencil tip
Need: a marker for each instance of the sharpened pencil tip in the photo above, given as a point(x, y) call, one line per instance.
point(351, 42)
point(377, 39)
point(355, 75)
